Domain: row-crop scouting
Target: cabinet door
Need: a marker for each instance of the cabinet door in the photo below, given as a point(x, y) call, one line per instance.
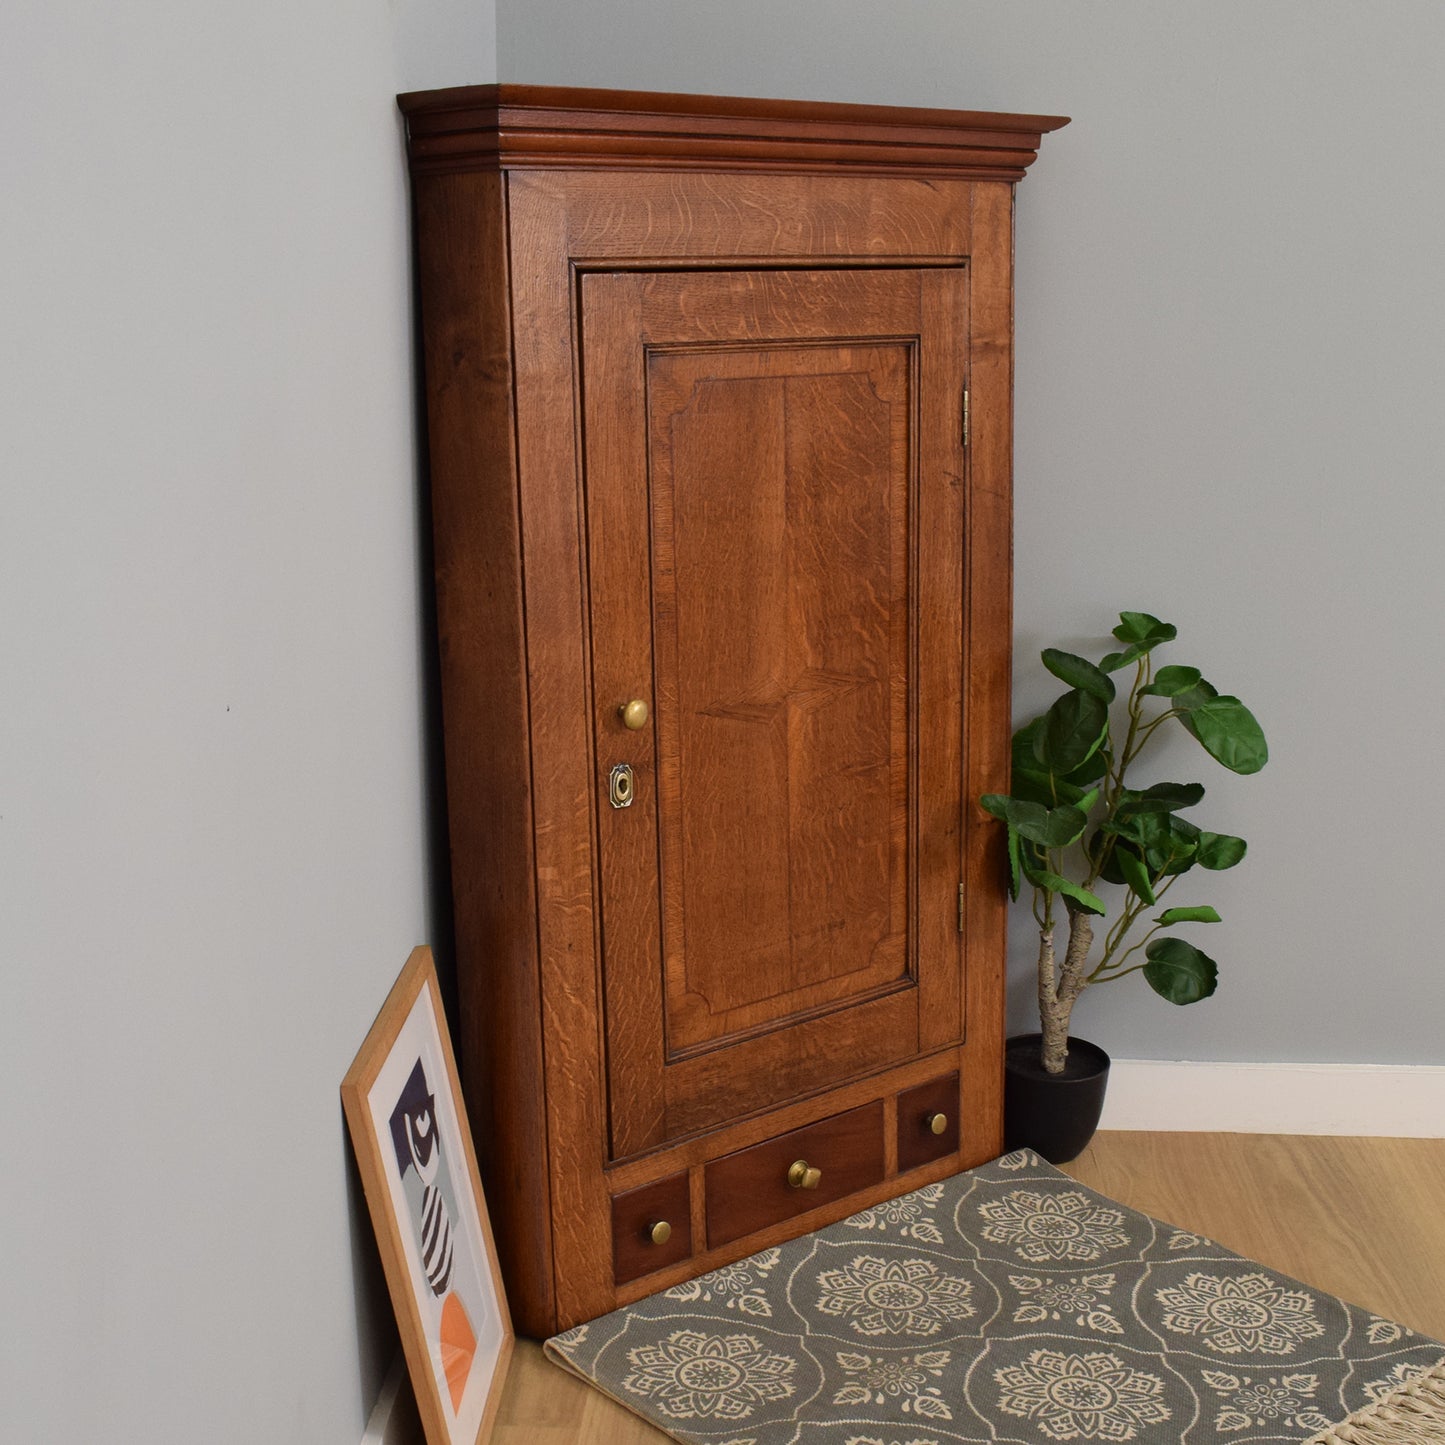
point(775, 504)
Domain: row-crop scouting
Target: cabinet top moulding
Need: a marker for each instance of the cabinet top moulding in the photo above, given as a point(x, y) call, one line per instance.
point(496, 127)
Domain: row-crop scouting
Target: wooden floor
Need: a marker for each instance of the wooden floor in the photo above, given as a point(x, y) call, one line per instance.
point(1361, 1218)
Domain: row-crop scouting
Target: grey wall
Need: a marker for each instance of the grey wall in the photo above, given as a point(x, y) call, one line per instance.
point(1231, 347)
point(213, 824)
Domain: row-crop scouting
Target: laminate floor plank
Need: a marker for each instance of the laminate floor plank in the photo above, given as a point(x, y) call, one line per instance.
point(1360, 1218)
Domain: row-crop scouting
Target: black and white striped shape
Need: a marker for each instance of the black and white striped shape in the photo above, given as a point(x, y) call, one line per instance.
point(436, 1240)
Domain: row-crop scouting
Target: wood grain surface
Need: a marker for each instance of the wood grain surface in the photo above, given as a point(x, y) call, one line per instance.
point(616, 1027)
point(748, 1191)
point(461, 258)
point(775, 564)
point(528, 125)
point(1357, 1217)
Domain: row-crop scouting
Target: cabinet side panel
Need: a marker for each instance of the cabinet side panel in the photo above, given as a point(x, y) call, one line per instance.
point(462, 268)
point(987, 696)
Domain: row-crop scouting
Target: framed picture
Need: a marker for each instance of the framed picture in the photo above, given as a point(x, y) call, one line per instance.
point(409, 1128)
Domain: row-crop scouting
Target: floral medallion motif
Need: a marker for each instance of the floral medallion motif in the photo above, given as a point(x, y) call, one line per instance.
point(1047, 1315)
point(1089, 1397)
point(906, 1378)
point(1054, 1226)
point(1402, 1374)
point(721, 1377)
point(894, 1297)
point(735, 1286)
point(570, 1340)
point(1080, 1298)
point(1238, 1314)
point(1180, 1240)
point(879, 1440)
point(907, 1216)
point(1286, 1400)
point(1386, 1332)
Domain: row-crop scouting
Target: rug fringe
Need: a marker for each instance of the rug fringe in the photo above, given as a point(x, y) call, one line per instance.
point(1412, 1414)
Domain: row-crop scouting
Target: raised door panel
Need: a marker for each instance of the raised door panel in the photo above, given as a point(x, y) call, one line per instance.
point(780, 506)
point(775, 537)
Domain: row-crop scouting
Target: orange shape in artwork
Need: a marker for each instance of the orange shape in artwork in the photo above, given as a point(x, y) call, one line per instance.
point(459, 1345)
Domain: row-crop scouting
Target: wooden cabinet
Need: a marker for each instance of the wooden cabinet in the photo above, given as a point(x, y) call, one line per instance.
point(718, 403)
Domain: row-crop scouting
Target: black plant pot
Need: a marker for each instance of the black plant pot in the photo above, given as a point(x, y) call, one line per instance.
point(1053, 1114)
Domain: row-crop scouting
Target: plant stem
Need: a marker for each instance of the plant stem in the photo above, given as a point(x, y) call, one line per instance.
point(1147, 731)
point(1114, 777)
point(1058, 994)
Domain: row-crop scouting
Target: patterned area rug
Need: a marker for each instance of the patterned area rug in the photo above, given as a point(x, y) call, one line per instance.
point(1012, 1306)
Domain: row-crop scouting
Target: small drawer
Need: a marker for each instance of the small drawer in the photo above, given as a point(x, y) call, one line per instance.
point(927, 1123)
point(750, 1190)
point(639, 1243)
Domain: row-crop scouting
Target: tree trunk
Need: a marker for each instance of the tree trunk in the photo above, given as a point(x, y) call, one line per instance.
point(1056, 1000)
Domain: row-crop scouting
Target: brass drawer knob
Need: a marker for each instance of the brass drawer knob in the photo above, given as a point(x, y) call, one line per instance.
point(802, 1175)
point(633, 714)
point(936, 1123)
point(660, 1232)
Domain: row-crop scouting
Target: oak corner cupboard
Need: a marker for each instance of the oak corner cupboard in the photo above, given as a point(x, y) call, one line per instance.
point(718, 403)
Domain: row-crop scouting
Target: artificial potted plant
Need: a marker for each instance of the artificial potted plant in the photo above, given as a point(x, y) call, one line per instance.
point(1075, 822)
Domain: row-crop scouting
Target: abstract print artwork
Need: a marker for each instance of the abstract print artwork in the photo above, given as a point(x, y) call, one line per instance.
point(413, 1147)
point(430, 1205)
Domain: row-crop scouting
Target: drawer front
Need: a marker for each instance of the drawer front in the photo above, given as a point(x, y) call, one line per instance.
point(750, 1190)
point(636, 1217)
point(922, 1138)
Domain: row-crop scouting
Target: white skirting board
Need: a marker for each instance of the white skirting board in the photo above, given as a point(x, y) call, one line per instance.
point(1401, 1101)
point(394, 1420)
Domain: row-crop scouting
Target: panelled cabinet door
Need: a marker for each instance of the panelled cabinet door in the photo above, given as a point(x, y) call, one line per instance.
point(775, 484)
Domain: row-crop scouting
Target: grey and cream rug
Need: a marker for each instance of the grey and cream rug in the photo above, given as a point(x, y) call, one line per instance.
point(1012, 1306)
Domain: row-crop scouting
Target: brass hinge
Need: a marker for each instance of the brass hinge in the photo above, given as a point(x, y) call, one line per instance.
point(960, 907)
point(965, 416)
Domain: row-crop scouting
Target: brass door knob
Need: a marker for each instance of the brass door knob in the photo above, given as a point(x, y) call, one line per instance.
point(802, 1175)
point(660, 1232)
point(633, 714)
point(936, 1123)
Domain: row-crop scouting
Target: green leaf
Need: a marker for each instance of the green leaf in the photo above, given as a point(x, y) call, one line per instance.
point(1090, 770)
point(1030, 779)
point(1113, 661)
point(1110, 872)
point(1229, 734)
point(1171, 681)
point(1143, 627)
point(1078, 672)
point(1195, 696)
point(1030, 775)
point(1012, 810)
point(1178, 971)
point(1175, 852)
point(1161, 798)
point(1013, 864)
point(1065, 826)
point(1168, 844)
point(1141, 633)
point(1136, 875)
point(1042, 878)
point(1074, 727)
point(1025, 744)
point(1200, 913)
point(1048, 827)
point(1035, 786)
point(1219, 851)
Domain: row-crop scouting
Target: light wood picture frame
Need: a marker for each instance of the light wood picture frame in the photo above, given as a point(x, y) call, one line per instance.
point(414, 1149)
